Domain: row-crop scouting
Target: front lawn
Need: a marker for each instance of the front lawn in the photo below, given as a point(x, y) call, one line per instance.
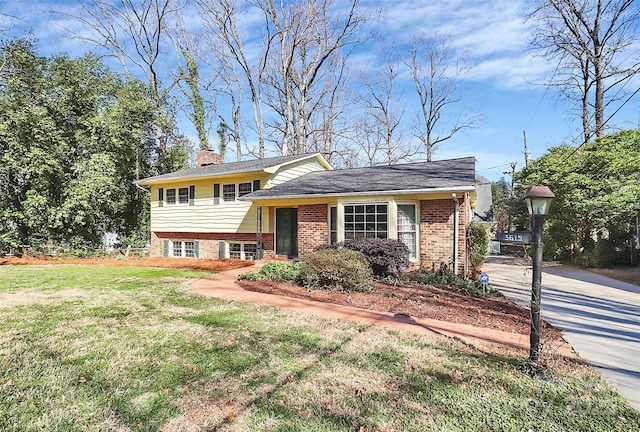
point(87, 348)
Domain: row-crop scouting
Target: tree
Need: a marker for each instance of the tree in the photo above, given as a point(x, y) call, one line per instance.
point(310, 41)
point(592, 43)
point(225, 40)
point(73, 137)
point(136, 33)
point(436, 72)
point(597, 188)
point(379, 132)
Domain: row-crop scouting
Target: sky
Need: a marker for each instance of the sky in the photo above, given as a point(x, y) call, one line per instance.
point(504, 82)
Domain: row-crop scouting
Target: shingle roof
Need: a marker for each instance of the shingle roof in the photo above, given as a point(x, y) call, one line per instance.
point(225, 168)
point(422, 176)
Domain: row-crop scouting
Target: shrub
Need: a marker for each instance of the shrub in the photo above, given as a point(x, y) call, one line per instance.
point(282, 271)
point(276, 271)
point(386, 257)
point(445, 277)
point(341, 269)
point(477, 247)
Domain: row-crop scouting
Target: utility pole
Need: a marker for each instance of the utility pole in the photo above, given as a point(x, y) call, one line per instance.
point(526, 150)
point(512, 173)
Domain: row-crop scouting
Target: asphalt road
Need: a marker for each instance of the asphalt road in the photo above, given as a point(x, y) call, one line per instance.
point(600, 317)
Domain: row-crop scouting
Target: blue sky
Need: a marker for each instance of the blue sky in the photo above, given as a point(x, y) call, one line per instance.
point(493, 34)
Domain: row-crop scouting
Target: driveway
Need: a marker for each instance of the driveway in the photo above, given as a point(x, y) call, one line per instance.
point(600, 317)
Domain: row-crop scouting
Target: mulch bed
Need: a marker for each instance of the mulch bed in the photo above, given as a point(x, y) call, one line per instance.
point(420, 301)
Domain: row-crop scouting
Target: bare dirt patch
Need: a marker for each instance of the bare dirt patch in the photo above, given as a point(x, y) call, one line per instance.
point(420, 301)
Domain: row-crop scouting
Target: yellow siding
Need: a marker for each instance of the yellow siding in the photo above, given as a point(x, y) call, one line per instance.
point(294, 170)
point(204, 216)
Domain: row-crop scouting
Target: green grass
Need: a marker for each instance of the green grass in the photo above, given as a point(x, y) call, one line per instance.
point(116, 349)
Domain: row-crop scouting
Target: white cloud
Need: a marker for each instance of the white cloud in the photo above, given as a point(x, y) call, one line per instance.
point(493, 35)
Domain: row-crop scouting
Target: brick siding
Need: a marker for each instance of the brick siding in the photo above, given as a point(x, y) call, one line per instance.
point(436, 232)
point(313, 229)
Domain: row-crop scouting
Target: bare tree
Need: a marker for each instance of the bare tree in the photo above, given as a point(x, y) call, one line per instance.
point(436, 73)
point(142, 24)
point(220, 20)
point(593, 44)
point(379, 132)
point(308, 37)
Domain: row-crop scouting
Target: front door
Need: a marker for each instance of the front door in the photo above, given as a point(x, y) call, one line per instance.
point(287, 232)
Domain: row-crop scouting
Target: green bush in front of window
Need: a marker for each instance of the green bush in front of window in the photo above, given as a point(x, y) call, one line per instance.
point(340, 269)
point(388, 258)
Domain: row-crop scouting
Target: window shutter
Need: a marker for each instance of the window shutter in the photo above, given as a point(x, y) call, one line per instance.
point(192, 194)
point(216, 193)
point(256, 185)
point(165, 248)
point(196, 249)
point(160, 197)
point(221, 250)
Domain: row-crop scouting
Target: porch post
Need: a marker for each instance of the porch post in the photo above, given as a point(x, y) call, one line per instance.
point(259, 251)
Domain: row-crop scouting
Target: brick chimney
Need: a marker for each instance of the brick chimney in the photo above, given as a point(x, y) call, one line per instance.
point(208, 157)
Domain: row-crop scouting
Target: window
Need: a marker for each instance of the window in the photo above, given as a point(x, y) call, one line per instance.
point(189, 250)
point(333, 225)
point(250, 251)
point(183, 195)
point(171, 196)
point(243, 251)
point(407, 227)
point(244, 189)
point(229, 192)
point(177, 249)
point(184, 249)
point(365, 220)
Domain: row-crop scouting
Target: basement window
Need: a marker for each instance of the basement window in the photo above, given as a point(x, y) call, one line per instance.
point(243, 251)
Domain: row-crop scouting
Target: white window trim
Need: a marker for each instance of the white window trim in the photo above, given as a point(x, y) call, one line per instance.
point(242, 244)
point(392, 220)
point(183, 249)
point(416, 208)
point(177, 197)
point(236, 192)
point(368, 203)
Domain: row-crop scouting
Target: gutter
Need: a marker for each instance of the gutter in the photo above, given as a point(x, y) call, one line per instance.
point(367, 193)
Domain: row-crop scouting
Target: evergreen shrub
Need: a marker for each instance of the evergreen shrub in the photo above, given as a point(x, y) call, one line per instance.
point(340, 269)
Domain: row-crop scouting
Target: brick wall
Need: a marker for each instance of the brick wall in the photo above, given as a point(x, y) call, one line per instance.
point(313, 229)
point(209, 242)
point(436, 232)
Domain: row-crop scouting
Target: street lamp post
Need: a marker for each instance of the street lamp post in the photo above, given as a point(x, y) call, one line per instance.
point(538, 200)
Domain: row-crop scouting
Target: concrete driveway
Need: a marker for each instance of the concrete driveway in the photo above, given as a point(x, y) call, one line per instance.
point(600, 317)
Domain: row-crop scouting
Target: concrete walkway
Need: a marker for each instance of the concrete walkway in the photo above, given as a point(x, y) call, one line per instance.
point(223, 285)
point(599, 316)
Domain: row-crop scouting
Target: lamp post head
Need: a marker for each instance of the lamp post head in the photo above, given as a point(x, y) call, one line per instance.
point(538, 200)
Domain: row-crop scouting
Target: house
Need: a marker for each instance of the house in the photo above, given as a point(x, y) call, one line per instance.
point(289, 205)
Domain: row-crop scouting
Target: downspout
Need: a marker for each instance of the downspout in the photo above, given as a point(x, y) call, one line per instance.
point(456, 218)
